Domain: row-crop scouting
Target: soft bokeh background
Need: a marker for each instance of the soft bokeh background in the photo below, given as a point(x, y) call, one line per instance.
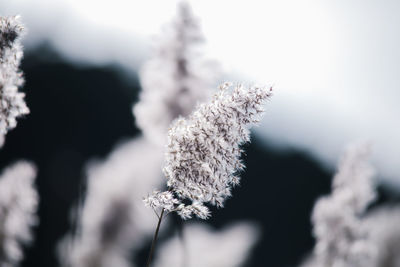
point(335, 71)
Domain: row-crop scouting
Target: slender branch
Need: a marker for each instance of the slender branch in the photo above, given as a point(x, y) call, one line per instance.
point(153, 243)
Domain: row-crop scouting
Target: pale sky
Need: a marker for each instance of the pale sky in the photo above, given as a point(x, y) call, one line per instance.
point(334, 65)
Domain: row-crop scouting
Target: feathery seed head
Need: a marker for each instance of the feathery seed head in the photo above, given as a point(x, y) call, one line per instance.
point(12, 104)
point(10, 29)
point(18, 205)
point(161, 199)
point(341, 241)
point(203, 151)
point(176, 78)
point(112, 222)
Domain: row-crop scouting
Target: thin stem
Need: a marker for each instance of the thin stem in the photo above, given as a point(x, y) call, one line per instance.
point(153, 243)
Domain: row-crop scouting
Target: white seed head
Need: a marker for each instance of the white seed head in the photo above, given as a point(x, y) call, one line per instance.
point(175, 79)
point(18, 205)
point(161, 199)
point(112, 221)
point(340, 239)
point(202, 159)
point(12, 103)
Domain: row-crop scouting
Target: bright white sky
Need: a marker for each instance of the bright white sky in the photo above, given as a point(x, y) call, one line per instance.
point(334, 64)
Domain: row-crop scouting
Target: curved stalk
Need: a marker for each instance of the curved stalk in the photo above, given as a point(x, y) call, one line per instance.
point(153, 243)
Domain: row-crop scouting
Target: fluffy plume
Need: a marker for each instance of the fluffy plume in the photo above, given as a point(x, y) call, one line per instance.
point(12, 104)
point(203, 151)
point(175, 79)
point(165, 199)
point(113, 220)
point(204, 247)
point(18, 205)
point(340, 239)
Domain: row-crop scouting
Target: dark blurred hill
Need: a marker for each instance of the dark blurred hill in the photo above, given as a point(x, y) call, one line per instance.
point(81, 112)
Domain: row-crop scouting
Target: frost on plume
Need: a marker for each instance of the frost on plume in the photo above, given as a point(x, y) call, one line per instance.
point(18, 205)
point(340, 239)
point(203, 151)
point(176, 78)
point(12, 104)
